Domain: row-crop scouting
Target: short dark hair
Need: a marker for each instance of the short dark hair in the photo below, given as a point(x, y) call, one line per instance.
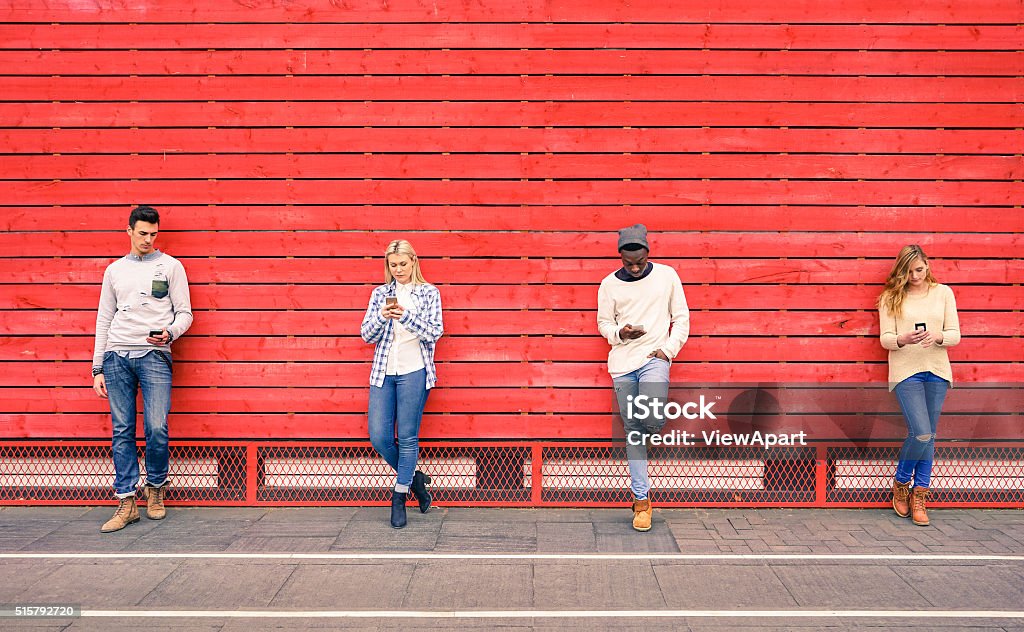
point(143, 213)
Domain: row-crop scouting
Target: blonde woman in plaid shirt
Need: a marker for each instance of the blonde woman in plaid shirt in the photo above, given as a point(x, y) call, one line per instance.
point(404, 321)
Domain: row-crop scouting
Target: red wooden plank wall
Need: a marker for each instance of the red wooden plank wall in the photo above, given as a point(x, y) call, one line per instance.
point(781, 153)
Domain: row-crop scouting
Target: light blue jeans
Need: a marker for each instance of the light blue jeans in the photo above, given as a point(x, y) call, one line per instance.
point(124, 377)
point(652, 380)
point(396, 408)
point(920, 397)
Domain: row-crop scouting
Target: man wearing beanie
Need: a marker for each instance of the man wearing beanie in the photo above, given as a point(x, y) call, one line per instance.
point(642, 312)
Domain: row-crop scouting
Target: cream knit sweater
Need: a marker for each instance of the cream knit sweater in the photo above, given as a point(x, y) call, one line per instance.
point(657, 302)
point(937, 308)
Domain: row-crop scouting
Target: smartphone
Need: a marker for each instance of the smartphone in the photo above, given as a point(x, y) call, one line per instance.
point(391, 300)
point(156, 333)
point(638, 328)
point(919, 326)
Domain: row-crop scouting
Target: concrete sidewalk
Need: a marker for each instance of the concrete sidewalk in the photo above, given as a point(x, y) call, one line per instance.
point(697, 569)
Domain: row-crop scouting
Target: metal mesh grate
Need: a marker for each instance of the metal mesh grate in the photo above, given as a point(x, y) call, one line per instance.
point(967, 475)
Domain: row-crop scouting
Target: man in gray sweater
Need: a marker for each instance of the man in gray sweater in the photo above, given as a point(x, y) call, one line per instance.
point(144, 306)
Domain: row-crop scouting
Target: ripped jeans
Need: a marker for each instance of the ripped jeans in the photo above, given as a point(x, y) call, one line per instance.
point(920, 397)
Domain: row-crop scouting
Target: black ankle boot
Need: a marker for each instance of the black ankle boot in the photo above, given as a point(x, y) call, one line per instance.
point(398, 509)
point(419, 489)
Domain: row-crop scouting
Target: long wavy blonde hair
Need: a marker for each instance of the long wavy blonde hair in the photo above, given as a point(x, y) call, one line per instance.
point(402, 247)
point(899, 278)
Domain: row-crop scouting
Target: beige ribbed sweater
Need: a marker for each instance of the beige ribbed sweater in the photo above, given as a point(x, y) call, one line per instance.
point(937, 308)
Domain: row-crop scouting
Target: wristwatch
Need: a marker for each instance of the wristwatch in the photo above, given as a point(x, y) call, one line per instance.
point(97, 370)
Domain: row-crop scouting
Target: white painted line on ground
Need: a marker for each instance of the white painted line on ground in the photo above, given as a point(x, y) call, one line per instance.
point(518, 556)
point(555, 614)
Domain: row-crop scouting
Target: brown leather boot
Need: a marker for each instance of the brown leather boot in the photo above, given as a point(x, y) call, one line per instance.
point(154, 496)
point(126, 514)
point(642, 514)
point(919, 513)
point(901, 498)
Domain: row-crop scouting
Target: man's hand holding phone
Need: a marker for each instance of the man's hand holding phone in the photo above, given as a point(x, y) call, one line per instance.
point(631, 332)
point(158, 337)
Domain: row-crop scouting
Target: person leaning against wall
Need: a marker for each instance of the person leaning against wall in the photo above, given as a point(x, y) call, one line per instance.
point(642, 313)
point(403, 319)
point(918, 323)
point(144, 306)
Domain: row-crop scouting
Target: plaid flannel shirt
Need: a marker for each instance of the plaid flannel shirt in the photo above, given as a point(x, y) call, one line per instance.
point(426, 323)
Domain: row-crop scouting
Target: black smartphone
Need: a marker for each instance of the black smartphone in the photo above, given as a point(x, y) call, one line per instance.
point(156, 333)
point(919, 326)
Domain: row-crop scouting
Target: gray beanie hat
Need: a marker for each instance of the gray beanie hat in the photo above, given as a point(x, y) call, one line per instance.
point(633, 235)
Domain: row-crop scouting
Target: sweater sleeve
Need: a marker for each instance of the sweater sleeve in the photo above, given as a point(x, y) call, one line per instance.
point(950, 321)
point(887, 326)
point(680, 314)
point(181, 302)
point(606, 323)
point(104, 316)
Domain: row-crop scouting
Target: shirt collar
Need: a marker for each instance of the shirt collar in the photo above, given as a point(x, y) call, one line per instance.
point(151, 256)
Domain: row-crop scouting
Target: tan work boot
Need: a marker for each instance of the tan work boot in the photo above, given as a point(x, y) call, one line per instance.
point(901, 498)
point(154, 496)
point(642, 514)
point(918, 511)
point(126, 514)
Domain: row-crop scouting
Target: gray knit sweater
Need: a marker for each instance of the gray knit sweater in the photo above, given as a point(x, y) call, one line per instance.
point(140, 295)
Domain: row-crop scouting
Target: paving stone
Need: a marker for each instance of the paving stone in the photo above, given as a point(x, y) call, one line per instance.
point(582, 585)
point(712, 587)
point(991, 587)
point(16, 574)
point(620, 537)
point(566, 537)
point(481, 537)
point(437, 585)
point(381, 586)
point(230, 585)
point(846, 586)
point(280, 544)
point(99, 584)
point(377, 535)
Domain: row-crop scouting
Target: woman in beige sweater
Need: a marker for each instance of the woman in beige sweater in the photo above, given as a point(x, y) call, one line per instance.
point(918, 321)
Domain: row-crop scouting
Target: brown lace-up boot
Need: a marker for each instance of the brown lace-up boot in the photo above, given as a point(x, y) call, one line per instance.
point(126, 514)
point(919, 513)
point(642, 514)
point(154, 496)
point(901, 498)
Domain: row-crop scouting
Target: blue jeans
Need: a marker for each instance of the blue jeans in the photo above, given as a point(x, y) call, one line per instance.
point(920, 397)
point(397, 408)
point(124, 376)
point(652, 380)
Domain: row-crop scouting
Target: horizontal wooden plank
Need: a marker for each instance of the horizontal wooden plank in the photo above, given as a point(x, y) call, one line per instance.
point(516, 271)
point(487, 297)
point(473, 349)
point(948, 219)
point(515, 245)
point(528, 88)
point(487, 140)
point(186, 426)
point(357, 11)
point(648, 191)
point(511, 62)
point(508, 323)
point(508, 114)
point(766, 36)
point(481, 375)
point(490, 166)
point(972, 399)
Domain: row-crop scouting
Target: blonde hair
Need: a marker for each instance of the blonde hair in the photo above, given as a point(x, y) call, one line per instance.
point(402, 247)
point(895, 290)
